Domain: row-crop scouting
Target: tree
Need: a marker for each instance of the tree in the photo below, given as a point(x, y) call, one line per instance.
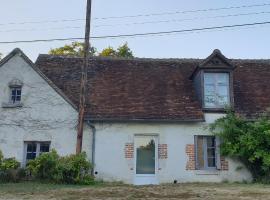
point(73, 49)
point(124, 51)
point(108, 52)
point(76, 49)
point(1, 56)
point(248, 141)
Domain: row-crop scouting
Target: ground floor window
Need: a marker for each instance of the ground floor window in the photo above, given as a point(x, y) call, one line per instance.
point(207, 154)
point(34, 149)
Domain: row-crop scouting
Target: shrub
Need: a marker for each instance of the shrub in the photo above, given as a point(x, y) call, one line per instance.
point(9, 170)
point(73, 169)
point(1, 157)
point(45, 166)
point(248, 141)
point(9, 163)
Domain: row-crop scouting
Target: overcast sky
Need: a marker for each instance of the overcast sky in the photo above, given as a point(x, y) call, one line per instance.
point(248, 42)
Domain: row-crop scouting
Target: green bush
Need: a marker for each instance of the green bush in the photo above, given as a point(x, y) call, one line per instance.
point(44, 167)
point(1, 157)
point(9, 170)
point(9, 163)
point(73, 169)
point(248, 141)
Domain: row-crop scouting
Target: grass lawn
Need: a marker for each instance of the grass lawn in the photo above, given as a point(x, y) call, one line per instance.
point(186, 191)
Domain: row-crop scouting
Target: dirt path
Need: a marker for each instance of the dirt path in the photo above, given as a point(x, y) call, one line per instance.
point(121, 192)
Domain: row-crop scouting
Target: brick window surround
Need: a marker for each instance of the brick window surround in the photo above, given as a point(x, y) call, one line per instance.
point(162, 151)
point(191, 163)
point(129, 150)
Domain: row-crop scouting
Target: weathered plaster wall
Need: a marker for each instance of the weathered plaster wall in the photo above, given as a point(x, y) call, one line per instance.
point(113, 164)
point(45, 115)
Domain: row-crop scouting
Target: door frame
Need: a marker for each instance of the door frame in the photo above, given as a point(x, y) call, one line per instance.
point(146, 179)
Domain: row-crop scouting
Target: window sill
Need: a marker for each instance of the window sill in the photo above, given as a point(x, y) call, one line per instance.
point(207, 172)
point(214, 110)
point(12, 105)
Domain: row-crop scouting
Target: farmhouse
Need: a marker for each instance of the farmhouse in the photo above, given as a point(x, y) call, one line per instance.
point(146, 119)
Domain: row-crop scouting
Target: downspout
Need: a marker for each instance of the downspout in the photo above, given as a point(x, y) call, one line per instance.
point(93, 145)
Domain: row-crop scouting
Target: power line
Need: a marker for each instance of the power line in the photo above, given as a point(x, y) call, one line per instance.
point(138, 34)
point(186, 19)
point(42, 29)
point(42, 22)
point(138, 23)
point(139, 15)
point(184, 12)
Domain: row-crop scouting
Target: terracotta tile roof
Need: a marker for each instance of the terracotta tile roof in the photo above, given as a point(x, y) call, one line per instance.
point(252, 87)
point(152, 89)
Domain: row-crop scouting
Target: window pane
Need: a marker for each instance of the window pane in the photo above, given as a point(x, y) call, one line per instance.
point(44, 147)
point(209, 90)
point(18, 98)
point(211, 162)
point(223, 78)
point(13, 92)
point(30, 156)
point(210, 141)
point(211, 153)
point(209, 101)
point(18, 92)
point(209, 78)
point(223, 90)
point(31, 147)
point(223, 100)
point(200, 153)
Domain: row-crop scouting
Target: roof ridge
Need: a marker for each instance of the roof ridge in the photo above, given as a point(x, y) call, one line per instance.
point(155, 59)
point(121, 58)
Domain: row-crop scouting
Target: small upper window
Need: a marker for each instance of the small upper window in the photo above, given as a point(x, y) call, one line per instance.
point(16, 94)
point(216, 90)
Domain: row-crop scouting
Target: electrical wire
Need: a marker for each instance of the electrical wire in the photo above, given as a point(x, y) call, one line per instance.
point(138, 34)
point(139, 15)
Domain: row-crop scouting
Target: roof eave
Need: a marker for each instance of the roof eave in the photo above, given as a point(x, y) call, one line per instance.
point(144, 120)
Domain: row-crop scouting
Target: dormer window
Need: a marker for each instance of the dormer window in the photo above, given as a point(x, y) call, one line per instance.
point(15, 94)
point(213, 82)
point(216, 90)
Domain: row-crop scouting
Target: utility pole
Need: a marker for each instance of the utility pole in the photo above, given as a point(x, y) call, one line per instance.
point(84, 78)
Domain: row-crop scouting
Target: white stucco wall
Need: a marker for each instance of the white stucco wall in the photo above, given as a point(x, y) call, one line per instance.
point(45, 115)
point(112, 165)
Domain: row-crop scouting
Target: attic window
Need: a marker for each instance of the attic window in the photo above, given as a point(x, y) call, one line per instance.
point(15, 94)
point(216, 90)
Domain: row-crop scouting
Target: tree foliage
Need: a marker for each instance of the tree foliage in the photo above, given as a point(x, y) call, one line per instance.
point(249, 141)
point(73, 49)
point(108, 52)
point(1, 56)
point(77, 49)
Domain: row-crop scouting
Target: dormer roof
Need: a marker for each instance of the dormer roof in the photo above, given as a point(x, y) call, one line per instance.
point(215, 61)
